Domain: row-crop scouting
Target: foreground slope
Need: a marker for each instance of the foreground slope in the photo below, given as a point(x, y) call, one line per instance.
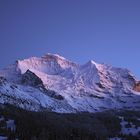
point(106, 125)
point(57, 84)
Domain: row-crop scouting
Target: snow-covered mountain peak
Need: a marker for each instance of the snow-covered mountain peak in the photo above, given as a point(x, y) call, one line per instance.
point(63, 62)
point(92, 64)
point(71, 87)
point(48, 64)
point(53, 56)
point(93, 68)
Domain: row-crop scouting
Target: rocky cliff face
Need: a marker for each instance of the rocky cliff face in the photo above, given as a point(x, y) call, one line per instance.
point(31, 79)
point(137, 86)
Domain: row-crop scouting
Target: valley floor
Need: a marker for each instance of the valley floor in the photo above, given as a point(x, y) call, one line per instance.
point(19, 124)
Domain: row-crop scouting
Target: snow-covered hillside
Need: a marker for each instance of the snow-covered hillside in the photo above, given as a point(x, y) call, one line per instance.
point(57, 84)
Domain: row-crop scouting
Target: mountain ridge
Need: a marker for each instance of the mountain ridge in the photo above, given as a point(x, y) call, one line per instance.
point(54, 83)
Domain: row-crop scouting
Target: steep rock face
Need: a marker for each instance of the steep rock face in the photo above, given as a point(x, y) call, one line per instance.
point(57, 84)
point(31, 79)
point(137, 86)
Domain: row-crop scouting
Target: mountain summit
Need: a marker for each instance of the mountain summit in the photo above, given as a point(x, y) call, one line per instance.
point(56, 84)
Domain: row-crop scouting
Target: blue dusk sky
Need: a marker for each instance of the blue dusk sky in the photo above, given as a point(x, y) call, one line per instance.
point(106, 31)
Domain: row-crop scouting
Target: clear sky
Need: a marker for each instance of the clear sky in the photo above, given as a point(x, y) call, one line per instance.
point(106, 31)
